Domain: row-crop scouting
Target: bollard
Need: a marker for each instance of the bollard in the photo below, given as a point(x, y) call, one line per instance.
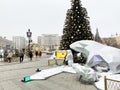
point(38, 69)
point(27, 79)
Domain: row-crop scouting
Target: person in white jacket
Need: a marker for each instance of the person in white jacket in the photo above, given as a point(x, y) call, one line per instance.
point(69, 58)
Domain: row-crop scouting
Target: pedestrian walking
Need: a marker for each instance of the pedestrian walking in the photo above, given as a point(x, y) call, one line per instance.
point(21, 56)
point(9, 56)
point(36, 53)
point(40, 53)
point(30, 55)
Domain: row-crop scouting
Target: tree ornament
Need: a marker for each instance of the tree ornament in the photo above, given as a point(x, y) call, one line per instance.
point(71, 17)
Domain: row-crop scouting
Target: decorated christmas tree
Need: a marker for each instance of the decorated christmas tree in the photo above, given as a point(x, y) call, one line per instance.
point(76, 27)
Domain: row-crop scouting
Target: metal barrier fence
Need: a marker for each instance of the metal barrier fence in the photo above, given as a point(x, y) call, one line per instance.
point(111, 84)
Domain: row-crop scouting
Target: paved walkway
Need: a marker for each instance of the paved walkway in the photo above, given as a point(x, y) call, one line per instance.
point(11, 75)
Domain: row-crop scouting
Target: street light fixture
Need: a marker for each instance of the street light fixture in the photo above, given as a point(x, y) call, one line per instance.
point(29, 35)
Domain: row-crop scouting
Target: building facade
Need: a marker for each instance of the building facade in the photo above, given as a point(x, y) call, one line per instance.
point(49, 42)
point(5, 43)
point(19, 42)
point(114, 41)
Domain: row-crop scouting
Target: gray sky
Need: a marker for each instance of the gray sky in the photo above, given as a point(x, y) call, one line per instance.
point(48, 16)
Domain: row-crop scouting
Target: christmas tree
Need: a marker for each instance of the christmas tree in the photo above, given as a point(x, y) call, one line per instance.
point(76, 27)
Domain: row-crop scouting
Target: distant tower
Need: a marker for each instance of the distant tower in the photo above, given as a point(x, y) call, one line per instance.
point(97, 37)
point(116, 34)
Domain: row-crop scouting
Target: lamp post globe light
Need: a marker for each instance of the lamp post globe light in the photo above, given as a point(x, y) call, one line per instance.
point(29, 35)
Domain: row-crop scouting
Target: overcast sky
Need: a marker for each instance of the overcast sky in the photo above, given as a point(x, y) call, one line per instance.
point(48, 17)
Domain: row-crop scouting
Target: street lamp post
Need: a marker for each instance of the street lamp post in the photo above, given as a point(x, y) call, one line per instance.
point(29, 35)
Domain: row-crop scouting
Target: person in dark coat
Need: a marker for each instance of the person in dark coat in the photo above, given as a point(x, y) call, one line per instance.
point(36, 53)
point(21, 56)
point(30, 54)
